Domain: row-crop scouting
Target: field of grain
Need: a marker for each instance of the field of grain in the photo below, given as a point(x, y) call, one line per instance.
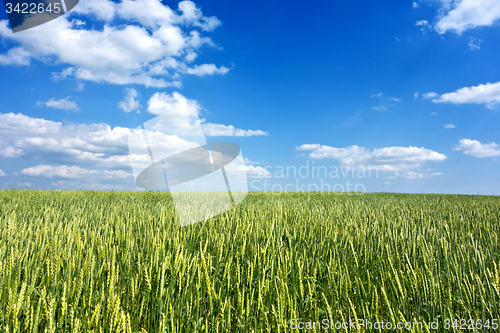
point(77, 261)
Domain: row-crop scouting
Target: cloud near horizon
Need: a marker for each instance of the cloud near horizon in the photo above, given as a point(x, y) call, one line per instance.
point(400, 161)
point(478, 149)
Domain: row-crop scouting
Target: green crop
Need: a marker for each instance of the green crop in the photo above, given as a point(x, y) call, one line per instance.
point(83, 261)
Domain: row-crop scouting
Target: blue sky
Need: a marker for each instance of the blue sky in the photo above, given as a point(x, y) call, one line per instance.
point(409, 89)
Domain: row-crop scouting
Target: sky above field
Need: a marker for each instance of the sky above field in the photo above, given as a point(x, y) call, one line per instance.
point(315, 93)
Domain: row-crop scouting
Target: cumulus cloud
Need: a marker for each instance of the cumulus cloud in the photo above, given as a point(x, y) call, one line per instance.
point(462, 15)
point(416, 175)
point(64, 171)
point(190, 56)
point(183, 116)
point(256, 171)
point(415, 4)
point(174, 104)
point(478, 149)
point(40, 139)
point(100, 9)
point(131, 101)
point(2, 173)
point(449, 126)
point(429, 95)
point(15, 56)
point(140, 42)
point(64, 74)
point(62, 104)
point(95, 145)
point(90, 147)
point(401, 161)
point(61, 171)
point(253, 170)
point(207, 69)
point(191, 13)
point(222, 130)
point(488, 94)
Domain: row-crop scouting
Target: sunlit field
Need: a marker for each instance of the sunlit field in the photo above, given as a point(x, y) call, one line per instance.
point(74, 261)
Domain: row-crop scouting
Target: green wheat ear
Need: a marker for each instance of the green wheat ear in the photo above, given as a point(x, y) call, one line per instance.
point(86, 261)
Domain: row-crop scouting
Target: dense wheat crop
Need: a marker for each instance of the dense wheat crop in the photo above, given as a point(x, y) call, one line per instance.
point(114, 261)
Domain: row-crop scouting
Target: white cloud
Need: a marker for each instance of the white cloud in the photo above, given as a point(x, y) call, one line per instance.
point(488, 94)
point(141, 42)
point(474, 44)
point(207, 69)
point(429, 95)
point(15, 56)
point(256, 171)
point(399, 160)
point(461, 15)
point(64, 171)
point(416, 94)
point(416, 4)
point(2, 173)
point(387, 183)
point(252, 169)
point(63, 104)
point(425, 26)
point(384, 101)
point(80, 86)
point(97, 148)
point(183, 116)
point(179, 114)
point(190, 13)
point(10, 151)
point(65, 73)
point(130, 103)
point(222, 130)
point(478, 149)
point(90, 147)
point(61, 171)
point(101, 9)
point(32, 138)
point(190, 56)
point(434, 113)
point(175, 104)
point(449, 126)
point(416, 175)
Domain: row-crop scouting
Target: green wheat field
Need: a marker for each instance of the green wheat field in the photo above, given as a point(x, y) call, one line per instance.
point(85, 261)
